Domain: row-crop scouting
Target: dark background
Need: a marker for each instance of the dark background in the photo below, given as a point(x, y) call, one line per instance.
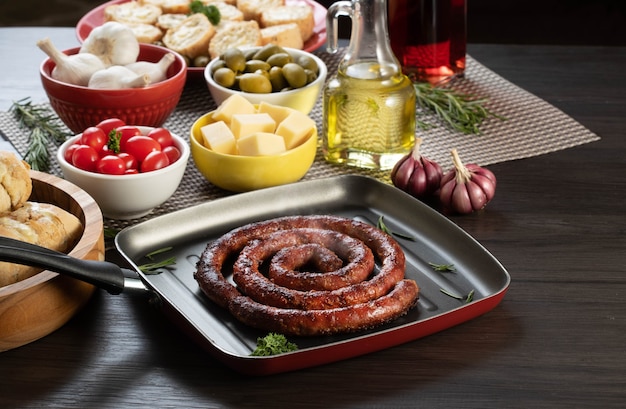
point(583, 22)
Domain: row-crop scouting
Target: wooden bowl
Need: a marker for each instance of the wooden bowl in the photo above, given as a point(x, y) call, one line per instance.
point(33, 308)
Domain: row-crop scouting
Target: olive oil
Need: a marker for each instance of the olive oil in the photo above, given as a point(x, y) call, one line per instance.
point(369, 104)
point(369, 117)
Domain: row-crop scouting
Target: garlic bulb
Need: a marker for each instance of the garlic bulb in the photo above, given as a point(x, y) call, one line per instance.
point(115, 44)
point(157, 71)
point(117, 77)
point(466, 188)
point(74, 69)
point(417, 175)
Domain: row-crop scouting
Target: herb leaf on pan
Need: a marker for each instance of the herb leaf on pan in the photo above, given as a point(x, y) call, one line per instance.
point(273, 344)
point(382, 226)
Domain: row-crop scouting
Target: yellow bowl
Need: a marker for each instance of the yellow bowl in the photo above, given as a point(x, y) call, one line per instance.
point(244, 173)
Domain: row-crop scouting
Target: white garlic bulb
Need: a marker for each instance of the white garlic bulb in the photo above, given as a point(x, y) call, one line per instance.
point(74, 69)
point(115, 44)
point(117, 77)
point(157, 71)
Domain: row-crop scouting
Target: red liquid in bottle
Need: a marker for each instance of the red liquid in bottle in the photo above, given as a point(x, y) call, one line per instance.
point(429, 37)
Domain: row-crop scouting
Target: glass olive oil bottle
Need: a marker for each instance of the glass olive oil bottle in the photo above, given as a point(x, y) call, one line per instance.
point(369, 105)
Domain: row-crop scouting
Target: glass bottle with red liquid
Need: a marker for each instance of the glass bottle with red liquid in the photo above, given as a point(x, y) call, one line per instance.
point(429, 38)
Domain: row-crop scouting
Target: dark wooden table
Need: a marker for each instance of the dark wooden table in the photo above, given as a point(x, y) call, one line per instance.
point(558, 339)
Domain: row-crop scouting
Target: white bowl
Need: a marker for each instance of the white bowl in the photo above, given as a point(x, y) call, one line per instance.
point(130, 196)
point(303, 99)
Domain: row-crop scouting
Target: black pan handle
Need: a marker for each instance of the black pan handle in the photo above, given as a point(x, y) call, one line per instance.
point(102, 274)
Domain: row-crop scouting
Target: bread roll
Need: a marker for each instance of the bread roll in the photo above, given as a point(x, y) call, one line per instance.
point(15, 183)
point(37, 223)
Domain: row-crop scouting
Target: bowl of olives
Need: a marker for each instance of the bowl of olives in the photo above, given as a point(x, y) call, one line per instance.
point(273, 74)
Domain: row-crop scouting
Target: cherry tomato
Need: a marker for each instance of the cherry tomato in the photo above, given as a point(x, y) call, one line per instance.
point(129, 160)
point(172, 153)
point(94, 137)
point(140, 146)
point(111, 165)
point(154, 160)
point(131, 172)
point(85, 157)
point(108, 125)
point(70, 151)
point(127, 132)
point(162, 136)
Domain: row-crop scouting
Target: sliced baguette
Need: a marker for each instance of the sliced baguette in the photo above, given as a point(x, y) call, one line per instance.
point(284, 35)
point(236, 34)
point(302, 15)
point(191, 37)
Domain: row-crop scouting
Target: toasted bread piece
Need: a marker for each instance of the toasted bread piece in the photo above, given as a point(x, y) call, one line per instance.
point(191, 37)
point(169, 20)
point(284, 35)
point(252, 8)
point(236, 34)
point(176, 6)
point(15, 183)
point(146, 33)
point(37, 223)
point(302, 15)
point(132, 13)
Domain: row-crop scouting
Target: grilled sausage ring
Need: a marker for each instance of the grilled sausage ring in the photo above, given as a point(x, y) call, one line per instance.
point(358, 282)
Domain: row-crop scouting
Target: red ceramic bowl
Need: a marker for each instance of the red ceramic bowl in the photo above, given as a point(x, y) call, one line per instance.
point(80, 107)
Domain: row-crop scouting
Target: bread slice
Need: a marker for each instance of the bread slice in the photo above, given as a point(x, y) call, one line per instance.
point(191, 37)
point(302, 15)
point(240, 34)
point(132, 13)
point(284, 35)
point(252, 8)
point(176, 6)
point(168, 20)
point(146, 33)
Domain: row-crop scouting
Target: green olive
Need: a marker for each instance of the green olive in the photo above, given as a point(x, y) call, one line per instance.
point(266, 51)
point(217, 65)
point(201, 61)
point(310, 76)
point(279, 59)
point(255, 65)
point(295, 75)
point(308, 63)
point(277, 79)
point(234, 59)
point(264, 73)
point(254, 83)
point(224, 77)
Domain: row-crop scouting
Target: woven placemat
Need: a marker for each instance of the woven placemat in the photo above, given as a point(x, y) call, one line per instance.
point(532, 127)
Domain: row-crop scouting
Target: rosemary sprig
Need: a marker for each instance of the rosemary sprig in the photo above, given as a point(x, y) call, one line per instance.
point(442, 267)
point(465, 298)
point(154, 266)
point(382, 226)
point(43, 129)
point(461, 112)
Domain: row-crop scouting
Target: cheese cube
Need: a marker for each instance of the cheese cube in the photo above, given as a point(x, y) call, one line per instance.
point(277, 112)
point(295, 129)
point(218, 137)
point(235, 104)
point(260, 144)
point(246, 124)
